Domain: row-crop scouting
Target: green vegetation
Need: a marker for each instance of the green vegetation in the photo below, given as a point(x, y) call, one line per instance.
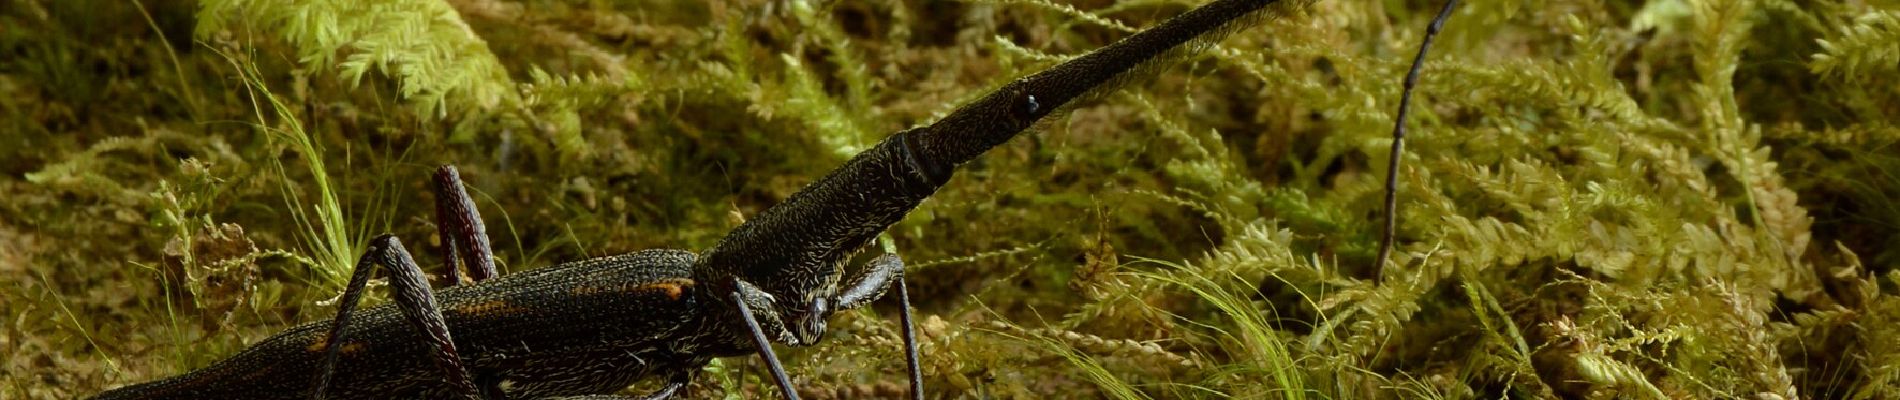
point(1678, 198)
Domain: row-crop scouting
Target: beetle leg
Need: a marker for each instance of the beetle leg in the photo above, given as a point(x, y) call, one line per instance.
point(746, 293)
point(461, 229)
point(870, 281)
point(413, 298)
point(910, 340)
point(759, 303)
point(867, 285)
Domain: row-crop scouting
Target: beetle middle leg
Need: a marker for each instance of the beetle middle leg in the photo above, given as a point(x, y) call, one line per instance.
point(463, 235)
point(418, 306)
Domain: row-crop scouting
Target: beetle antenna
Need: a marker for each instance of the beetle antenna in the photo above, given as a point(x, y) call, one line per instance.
point(1398, 142)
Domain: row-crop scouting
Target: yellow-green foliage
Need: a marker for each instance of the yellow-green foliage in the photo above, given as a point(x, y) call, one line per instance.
point(1868, 47)
point(437, 61)
point(1666, 199)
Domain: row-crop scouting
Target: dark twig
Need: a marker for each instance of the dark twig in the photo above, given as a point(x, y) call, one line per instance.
point(1398, 143)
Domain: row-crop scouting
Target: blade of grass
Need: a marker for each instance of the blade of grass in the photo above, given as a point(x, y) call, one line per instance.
point(1261, 344)
point(327, 238)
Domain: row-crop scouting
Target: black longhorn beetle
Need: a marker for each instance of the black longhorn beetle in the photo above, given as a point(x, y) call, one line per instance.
point(591, 328)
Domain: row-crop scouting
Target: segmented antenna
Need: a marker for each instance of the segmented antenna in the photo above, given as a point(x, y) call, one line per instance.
point(1398, 143)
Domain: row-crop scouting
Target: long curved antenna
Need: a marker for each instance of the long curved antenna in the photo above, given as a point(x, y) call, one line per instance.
point(765, 347)
point(1398, 143)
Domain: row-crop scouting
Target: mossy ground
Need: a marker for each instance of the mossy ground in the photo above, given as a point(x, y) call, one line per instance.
point(1684, 199)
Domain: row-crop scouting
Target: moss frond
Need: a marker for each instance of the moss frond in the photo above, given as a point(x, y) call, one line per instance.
point(1862, 51)
point(439, 63)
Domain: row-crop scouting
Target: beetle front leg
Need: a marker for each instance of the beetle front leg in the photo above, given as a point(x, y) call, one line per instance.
point(868, 285)
point(758, 303)
point(910, 340)
point(747, 298)
point(870, 281)
point(413, 298)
